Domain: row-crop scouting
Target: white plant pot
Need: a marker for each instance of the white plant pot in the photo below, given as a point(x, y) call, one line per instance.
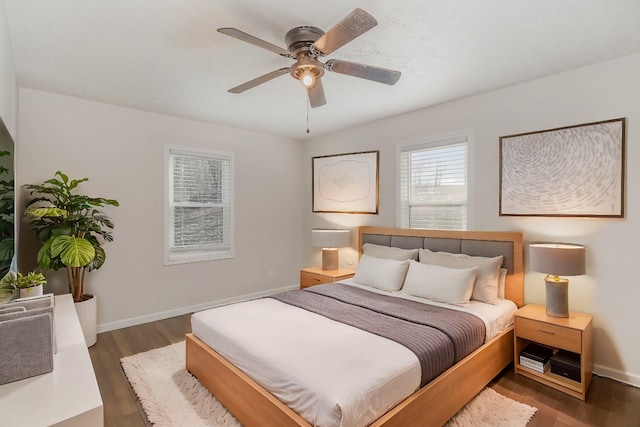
point(88, 316)
point(34, 291)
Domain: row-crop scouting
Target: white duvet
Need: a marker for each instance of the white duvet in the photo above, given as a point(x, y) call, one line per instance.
point(330, 373)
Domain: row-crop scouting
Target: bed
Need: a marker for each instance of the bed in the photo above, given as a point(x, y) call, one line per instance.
point(431, 404)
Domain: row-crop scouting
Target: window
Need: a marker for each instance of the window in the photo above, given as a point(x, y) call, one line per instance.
point(433, 183)
point(199, 205)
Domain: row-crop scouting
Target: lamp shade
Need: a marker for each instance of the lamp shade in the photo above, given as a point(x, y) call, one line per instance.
point(329, 238)
point(557, 259)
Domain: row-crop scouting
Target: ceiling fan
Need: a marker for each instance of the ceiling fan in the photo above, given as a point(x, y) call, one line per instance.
point(306, 44)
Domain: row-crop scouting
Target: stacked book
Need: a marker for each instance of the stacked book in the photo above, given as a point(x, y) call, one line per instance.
point(536, 357)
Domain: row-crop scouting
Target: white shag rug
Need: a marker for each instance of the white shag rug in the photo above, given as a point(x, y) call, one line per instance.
point(171, 396)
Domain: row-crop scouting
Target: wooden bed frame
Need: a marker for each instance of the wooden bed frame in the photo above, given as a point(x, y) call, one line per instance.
point(433, 404)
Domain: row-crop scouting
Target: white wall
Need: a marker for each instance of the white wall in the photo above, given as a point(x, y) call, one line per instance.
point(121, 151)
point(603, 91)
point(8, 84)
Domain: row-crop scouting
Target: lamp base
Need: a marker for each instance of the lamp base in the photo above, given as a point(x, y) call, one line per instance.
point(557, 297)
point(330, 259)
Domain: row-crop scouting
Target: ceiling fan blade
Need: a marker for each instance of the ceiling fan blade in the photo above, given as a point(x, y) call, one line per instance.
point(377, 74)
point(241, 35)
point(259, 80)
point(353, 25)
point(316, 95)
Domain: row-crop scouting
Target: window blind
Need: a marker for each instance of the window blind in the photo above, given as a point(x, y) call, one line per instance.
point(199, 200)
point(433, 188)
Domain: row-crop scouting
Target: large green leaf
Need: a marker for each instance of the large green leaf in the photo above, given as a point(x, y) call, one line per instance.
point(64, 177)
point(44, 255)
point(6, 249)
point(100, 258)
point(43, 212)
point(74, 183)
point(73, 251)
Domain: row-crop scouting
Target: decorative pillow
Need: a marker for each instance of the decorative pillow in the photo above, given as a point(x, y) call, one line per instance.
point(441, 284)
point(389, 252)
point(381, 273)
point(502, 280)
point(485, 288)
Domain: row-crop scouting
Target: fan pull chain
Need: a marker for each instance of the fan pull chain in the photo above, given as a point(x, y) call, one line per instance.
point(307, 115)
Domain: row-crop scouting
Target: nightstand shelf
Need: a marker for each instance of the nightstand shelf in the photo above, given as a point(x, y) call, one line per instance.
point(316, 276)
point(574, 334)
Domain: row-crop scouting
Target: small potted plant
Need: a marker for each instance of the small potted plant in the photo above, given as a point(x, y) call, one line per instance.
point(29, 285)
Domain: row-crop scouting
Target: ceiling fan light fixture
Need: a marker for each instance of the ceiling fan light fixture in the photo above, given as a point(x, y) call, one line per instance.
point(307, 70)
point(307, 78)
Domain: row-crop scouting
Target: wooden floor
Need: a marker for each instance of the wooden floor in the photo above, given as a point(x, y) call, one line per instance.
point(120, 403)
point(609, 403)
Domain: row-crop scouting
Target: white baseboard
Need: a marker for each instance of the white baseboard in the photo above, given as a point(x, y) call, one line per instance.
point(110, 326)
point(615, 374)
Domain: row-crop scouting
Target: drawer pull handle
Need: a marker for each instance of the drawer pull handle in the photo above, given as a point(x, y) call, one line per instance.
point(316, 279)
point(547, 332)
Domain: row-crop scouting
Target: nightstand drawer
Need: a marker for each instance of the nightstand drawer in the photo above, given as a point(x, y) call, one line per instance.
point(550, 335)
point(310, 279)
point(315, 276)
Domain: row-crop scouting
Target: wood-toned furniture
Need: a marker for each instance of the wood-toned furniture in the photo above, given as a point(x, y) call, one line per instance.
point(317, 276)
point(573, 333)
point(434, 403)
point(67, 396)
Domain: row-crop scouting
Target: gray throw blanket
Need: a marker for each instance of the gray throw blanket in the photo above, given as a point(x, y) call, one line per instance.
point(438, 336)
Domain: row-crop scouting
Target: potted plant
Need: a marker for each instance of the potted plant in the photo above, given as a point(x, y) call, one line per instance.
point(72, 228)
point(29, 285)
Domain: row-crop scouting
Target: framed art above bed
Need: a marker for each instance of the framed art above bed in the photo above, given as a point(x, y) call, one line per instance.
point(346, 183)
point(576, 171)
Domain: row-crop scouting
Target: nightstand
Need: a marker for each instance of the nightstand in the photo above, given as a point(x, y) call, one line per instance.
point(573, 333)
point(317, 276)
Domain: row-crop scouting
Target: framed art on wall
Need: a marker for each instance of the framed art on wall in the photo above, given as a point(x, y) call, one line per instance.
point(346, 183)
point(576, 171)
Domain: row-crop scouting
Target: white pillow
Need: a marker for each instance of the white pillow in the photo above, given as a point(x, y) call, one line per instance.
point(502, 281)
point(389, 252)
point(381, 273)
point(485, 288)
point(441, 284)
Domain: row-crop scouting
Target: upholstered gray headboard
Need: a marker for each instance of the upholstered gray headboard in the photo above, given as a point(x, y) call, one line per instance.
point(476, 243)
point(486, 248)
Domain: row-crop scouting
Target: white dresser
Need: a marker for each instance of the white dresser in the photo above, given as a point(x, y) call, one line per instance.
point(67, 396)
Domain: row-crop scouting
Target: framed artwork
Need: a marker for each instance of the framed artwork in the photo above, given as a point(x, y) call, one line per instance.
point(576, 171)
point(346, 183)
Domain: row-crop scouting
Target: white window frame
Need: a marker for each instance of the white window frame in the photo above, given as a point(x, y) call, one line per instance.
point(172, 257)
point(434, 142)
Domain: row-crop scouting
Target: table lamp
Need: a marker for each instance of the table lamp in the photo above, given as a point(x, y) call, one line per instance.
point(329, 240)
point(555, 260)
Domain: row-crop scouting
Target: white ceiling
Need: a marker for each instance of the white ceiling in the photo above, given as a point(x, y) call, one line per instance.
point(166, 56)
